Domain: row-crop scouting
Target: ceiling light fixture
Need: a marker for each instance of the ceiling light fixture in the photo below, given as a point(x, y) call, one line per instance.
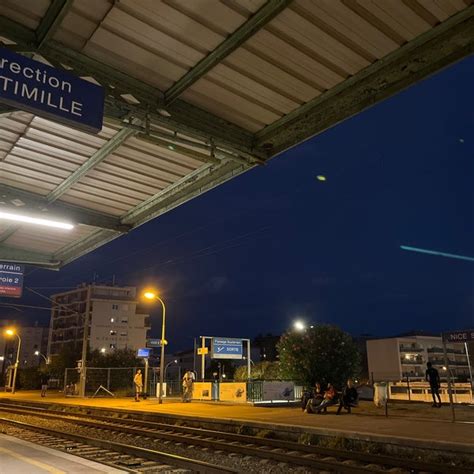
point(35, 220)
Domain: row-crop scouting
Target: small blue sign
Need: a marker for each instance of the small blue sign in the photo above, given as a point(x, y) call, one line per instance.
point(11, 279)
point(144, 352)
point(52, 93)
point(226, 348)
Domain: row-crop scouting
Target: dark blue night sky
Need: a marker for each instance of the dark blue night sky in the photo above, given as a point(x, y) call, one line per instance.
point(276, 244)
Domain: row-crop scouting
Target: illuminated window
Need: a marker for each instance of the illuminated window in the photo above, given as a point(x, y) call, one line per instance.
point(113, 333)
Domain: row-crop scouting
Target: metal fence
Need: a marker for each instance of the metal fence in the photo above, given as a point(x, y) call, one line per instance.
point(117, 380)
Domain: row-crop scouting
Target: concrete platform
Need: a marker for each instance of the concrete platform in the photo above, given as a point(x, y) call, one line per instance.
point(407, 425)
point(18, 456)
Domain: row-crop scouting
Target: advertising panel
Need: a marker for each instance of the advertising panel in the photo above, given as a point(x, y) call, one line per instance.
point(11, 279)
point(52, 93)
point(278, 391)
point(202, 391)
point(226, 348)
point(233, 392)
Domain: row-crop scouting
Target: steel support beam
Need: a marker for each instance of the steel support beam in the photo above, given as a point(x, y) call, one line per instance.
point(439, 47)
point(52, 20)
point(12, 254)
point(185, 118)
point(80, 247)
point(109, 147)
point(60, 210)
point(195, 184)
point(202, 180)
point(257, 21)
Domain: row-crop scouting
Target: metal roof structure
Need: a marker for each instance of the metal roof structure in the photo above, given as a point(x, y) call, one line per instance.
point(197, 92)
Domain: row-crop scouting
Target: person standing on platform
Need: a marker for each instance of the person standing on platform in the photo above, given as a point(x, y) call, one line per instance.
point(138, 382)
point(349, 397)
point(432, 376)
point(44, 384)
point(188, 386)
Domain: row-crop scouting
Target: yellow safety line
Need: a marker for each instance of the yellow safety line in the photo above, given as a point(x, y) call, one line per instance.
point(39, 464)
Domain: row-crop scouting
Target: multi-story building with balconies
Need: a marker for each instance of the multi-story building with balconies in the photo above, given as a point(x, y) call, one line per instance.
point(116, 320)
point(395, 358)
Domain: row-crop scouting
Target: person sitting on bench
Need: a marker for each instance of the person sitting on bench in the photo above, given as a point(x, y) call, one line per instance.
point(312, 398)
point(330, 398)
point(349, 397)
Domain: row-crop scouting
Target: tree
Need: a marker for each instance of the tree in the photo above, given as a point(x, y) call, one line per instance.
point(260, 371)
point(115, 358)
point(67, 358)
point(324, 354)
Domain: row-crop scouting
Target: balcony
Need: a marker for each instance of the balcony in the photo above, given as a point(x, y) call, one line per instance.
point(411, 348)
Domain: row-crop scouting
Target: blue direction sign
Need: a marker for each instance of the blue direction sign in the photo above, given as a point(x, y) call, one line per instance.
point(11, 279)
point(52, 93)
point(226, 348)
point(466, 335)
point(144, 352)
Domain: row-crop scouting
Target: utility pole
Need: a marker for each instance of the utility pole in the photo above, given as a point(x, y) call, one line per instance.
point(85, 344)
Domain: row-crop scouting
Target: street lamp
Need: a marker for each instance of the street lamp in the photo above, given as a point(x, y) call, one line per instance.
point(299, 325)
point(38, 353)
point(102, 350)
point(151, 295)
point(12, 332)
point(168, 364)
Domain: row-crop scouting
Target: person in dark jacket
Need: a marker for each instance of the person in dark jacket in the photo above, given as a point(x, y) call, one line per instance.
point(349, 397)
point(432, 376)
point(314, 397)
point(44, 384)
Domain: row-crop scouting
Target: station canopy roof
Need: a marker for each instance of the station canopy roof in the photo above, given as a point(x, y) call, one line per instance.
point(197, 92)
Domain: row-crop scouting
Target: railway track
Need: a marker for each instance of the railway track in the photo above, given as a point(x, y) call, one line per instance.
point(128, 458)
point(293, 454)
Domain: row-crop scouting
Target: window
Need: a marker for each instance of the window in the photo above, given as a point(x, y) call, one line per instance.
point(113, 333)
point(112, 320)
point(115, 306)
point(113, 346)
point(125, 320)
point(124, 333)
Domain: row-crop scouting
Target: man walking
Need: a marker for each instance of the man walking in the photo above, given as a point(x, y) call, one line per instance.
point(138, 382)
point(432, 376)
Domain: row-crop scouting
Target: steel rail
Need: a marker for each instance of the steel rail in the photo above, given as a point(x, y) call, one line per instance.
point(150, 454)
point(248, 445)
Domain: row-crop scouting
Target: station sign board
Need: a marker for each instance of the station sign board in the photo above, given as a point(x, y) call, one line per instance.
point(51, 93)
point(11, 279)
point(226, 348)
point(466, 335)
point(153, 343)
point(144, 352)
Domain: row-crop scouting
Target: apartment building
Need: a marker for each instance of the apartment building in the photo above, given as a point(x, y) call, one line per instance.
point(33, 338)
point(395, 358)
point(116, 319)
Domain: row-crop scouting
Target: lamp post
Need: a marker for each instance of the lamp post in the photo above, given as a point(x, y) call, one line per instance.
point(151, 295)
point(168, 364)
point(12, 332)
point(46, 360)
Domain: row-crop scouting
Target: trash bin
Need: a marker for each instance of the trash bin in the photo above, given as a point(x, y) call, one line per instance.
point(380, 394)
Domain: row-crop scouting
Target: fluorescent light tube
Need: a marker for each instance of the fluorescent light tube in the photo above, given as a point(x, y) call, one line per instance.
point(35, 220)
